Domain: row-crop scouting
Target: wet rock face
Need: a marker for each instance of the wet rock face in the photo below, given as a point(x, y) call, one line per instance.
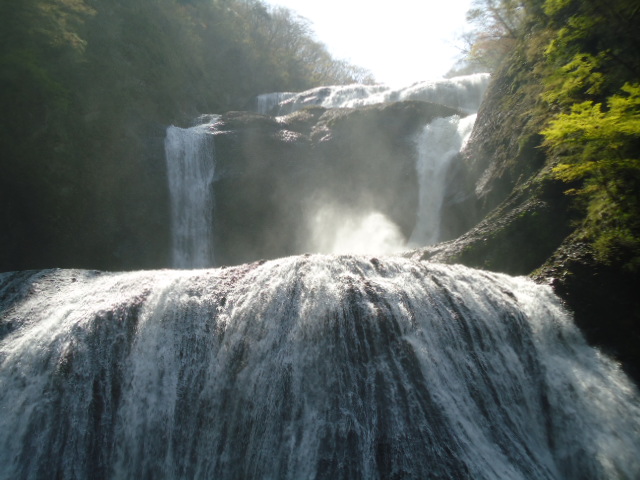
point(602, 297)
point(512, 217)
point(273, 173)
point(504, 150)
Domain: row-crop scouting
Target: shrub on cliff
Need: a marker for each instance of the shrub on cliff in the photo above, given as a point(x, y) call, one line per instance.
point(591, 72)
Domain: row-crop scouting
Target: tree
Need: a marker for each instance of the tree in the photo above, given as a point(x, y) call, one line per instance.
point(599, 146)
point(594, 135)
point(497, 26)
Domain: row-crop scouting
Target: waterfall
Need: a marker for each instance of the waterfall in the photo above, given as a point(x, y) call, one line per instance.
point(304, 367)
point(190, 157)
point(268, 103)
point(464, 93)
point(191, 161)
point(438, 145)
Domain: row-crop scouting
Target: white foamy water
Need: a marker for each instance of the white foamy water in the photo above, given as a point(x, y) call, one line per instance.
point(438, 145)
point(190, 157)
point(305, 367)
point(464, 93)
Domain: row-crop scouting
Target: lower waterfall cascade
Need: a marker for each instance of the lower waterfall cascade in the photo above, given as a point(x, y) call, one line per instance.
point(306, 367)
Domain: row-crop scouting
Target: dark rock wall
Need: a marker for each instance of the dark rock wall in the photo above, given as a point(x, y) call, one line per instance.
point(508, 215)
point(105, 211)
point(273, 173)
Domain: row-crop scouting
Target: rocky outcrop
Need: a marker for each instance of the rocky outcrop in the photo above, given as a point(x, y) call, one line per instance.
point(273, 173)
point(603, 297)
point(510, 216)
point(516, 237)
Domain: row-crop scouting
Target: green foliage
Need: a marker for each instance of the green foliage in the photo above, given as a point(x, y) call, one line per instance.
point(613, 126)
point(85, 84)
point(580, 58)
point(575, 80)
point(603, 35)
point(595, 136)
point(553, 7)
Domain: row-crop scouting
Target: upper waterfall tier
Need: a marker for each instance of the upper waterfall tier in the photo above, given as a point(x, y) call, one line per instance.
point(306, 367)
point(464, 93)
point(190, 157)
point(317, 180)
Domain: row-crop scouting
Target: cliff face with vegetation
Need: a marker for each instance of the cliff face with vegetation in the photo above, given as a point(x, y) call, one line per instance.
point(552, 172)
point(87, 89)
point(549, 184)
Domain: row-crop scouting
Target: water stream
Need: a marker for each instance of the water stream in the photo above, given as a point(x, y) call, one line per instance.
point(327, 367)
point(190, 156)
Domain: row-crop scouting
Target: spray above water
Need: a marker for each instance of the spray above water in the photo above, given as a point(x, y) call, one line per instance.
point(336, 230)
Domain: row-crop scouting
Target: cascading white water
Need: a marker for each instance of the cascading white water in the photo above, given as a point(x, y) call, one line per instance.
point(190, 157)
point(438, 144)
point(304, 367)
point(464, 93)
point(191, 166)
point(270, 102)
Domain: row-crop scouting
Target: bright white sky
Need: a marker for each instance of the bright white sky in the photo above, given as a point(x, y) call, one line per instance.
point(399, 41)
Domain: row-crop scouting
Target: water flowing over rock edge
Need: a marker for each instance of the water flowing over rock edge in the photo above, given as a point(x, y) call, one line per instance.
point(350, 157)
point(305, 367)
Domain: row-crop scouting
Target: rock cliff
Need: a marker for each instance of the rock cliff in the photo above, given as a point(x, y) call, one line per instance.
point(274, 173)
point(512, 217)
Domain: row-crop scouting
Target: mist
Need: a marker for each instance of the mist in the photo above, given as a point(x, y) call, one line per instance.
point(340, 169)
point(334, 229)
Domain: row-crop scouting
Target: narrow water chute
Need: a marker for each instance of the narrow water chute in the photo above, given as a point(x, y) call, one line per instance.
point(438, 145)
point(190, 158)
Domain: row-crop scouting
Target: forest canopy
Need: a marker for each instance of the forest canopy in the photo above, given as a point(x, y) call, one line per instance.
point(85, 86)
